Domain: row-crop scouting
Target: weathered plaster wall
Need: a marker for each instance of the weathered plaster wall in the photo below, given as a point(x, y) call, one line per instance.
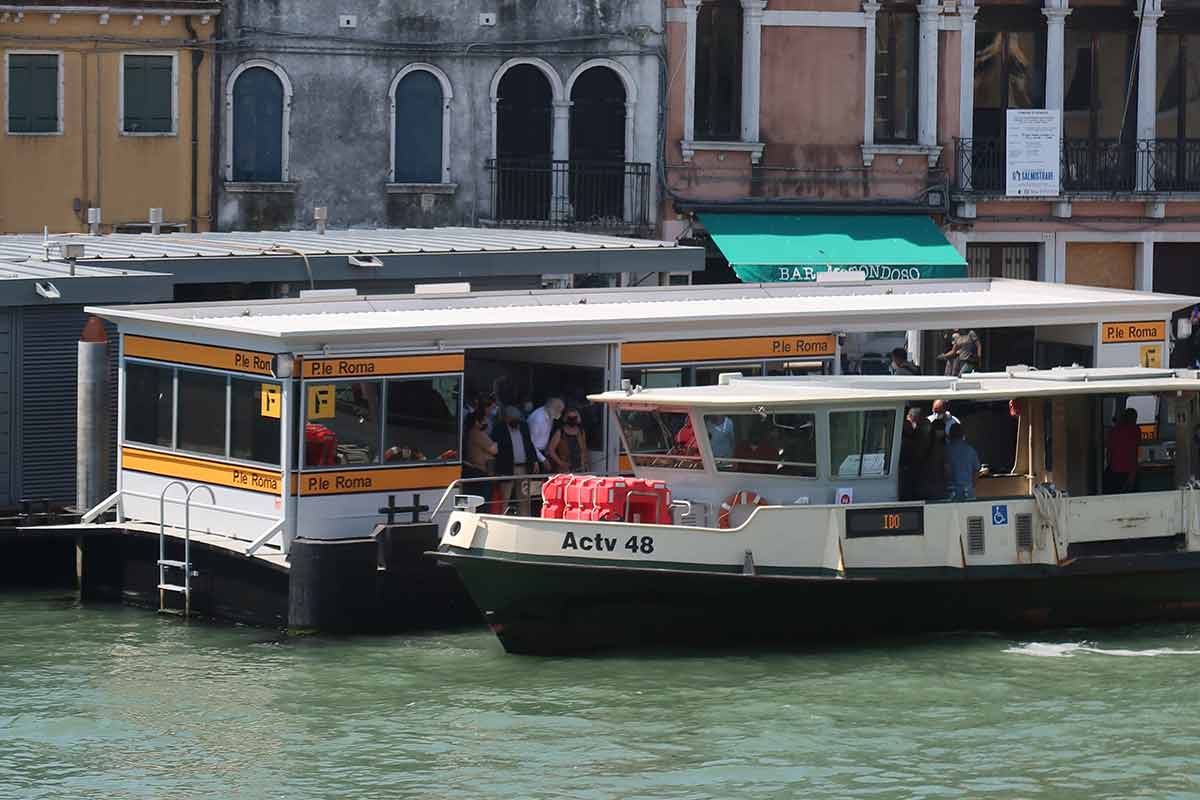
point(340, 121)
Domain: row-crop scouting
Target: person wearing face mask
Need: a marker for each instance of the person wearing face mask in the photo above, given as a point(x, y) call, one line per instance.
point(568, 446)
point(516, 456)
point(541, 425)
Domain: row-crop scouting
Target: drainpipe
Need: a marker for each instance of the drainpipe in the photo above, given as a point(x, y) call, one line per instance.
point(197, 58)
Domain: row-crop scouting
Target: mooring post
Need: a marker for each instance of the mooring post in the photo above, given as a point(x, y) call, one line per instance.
point(91, 461)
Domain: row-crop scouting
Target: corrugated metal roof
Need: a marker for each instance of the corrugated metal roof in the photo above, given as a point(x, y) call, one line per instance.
point(392, 241)
point(669, 312)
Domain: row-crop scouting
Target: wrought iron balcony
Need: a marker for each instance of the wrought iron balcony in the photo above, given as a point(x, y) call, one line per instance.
point(1098, 165)
point(1148, 166)
point(1170, 165)
point(577, 195)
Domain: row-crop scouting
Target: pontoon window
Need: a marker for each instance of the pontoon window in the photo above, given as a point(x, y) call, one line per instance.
point(254, 414)
point(860, 443)
point(343, 419)
point(149, 404)
point(776, 444)
point(201, 425)
point(661, 439)
point(422, 421)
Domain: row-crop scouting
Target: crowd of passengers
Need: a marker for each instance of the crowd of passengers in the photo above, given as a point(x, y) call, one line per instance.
point(506, 442)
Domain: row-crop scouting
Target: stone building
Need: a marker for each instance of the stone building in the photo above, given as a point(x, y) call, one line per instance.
point(425, 112)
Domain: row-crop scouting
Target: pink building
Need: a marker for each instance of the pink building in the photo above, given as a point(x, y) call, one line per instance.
point(900, 110)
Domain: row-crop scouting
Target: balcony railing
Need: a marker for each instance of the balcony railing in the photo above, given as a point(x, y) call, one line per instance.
point(570, 194)
point(1147, 166)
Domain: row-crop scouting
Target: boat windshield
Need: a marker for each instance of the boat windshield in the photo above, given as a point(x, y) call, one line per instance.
point(660, 439)
point(765, 444)
point(860, 443)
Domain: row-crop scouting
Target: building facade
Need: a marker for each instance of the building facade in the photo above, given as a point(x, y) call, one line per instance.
point(432, 113)
point(107, 106)
point(807, 107)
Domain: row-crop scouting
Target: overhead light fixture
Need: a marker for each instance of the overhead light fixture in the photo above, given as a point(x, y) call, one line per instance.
point(369, 262)
point(47, 290)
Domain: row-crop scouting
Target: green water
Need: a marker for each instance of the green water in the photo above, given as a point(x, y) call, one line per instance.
point(107, 702)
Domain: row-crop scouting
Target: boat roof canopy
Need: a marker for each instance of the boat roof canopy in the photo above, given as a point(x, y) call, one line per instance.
point(1019, 381)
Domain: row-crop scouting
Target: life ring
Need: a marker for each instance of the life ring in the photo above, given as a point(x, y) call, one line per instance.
point(744, 497)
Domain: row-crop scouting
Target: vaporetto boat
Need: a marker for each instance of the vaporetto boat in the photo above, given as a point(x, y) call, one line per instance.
point(804, 508)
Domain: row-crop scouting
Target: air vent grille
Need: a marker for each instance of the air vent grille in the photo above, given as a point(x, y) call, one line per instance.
point(975, 545)
point(1024, 531)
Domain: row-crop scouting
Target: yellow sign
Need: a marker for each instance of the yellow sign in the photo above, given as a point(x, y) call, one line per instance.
point(386, 365)
point(322, 401)
point(201, 355)
point(1148, 431)
point(1150, 355)
point(1128, 332)
point(271, 399)
point(814, 345)
point(202, 470)
point(375, 480)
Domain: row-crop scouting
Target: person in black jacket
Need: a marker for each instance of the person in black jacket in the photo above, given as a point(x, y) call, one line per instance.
point(515, 455)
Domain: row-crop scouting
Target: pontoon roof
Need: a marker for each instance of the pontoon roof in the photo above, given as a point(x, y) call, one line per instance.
point(637, 314)
point(861, 389)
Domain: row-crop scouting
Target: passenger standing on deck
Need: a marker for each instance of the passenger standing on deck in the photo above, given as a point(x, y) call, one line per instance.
point(516, 456)
point(970, 353)
point(914, 448)
point(901, 365)
point(1121, 473)
point(479, 450)
point(961, 465)
point(942, 412)
point(932, 470)
point(568, 446)
point(541, 424)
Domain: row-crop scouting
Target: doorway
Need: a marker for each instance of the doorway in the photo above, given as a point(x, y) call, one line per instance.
point(597, 157)
point(524, 119)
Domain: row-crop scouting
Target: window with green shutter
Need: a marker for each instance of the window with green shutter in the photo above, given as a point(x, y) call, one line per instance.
point(33, 88)
point(148, 94)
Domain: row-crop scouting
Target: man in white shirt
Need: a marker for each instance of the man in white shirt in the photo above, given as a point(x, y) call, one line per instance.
point(541, 424)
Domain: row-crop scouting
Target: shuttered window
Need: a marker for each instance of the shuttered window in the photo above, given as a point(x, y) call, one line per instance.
point(419, 129)
point(33, 88)
point(258, 126)
point(148, 94)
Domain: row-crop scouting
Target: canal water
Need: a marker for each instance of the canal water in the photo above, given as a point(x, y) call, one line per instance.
point(115, 703)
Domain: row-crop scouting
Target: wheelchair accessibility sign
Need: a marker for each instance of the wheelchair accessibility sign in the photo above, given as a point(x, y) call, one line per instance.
point(999, 515)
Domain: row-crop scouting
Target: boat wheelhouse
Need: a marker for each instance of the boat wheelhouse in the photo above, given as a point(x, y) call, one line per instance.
point(813, 507)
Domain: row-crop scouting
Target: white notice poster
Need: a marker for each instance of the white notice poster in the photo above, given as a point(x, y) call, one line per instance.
point(1032, 150)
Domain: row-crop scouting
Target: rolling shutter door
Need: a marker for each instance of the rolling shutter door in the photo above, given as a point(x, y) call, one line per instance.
point(48, 360)
point(7, 417)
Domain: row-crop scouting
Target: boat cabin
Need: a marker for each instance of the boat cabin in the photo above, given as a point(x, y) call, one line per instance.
point(876, 439)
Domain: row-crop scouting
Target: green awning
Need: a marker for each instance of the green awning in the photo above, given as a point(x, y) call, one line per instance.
point(764, 248)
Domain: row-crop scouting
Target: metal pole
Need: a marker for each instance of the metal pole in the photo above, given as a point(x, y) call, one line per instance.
point(92, 444)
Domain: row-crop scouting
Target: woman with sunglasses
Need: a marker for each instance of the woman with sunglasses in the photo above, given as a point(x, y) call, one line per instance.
point(568, 446)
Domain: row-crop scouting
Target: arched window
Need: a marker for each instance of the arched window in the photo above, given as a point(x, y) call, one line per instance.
point(258, 102)
point(420, 117)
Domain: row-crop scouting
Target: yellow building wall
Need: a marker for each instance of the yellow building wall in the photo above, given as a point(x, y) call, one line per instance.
point(92, 161)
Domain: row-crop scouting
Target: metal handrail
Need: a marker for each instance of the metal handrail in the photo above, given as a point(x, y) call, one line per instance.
point(536, 476)
point(187, 543)
point(103, 506)
point(162, 539)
